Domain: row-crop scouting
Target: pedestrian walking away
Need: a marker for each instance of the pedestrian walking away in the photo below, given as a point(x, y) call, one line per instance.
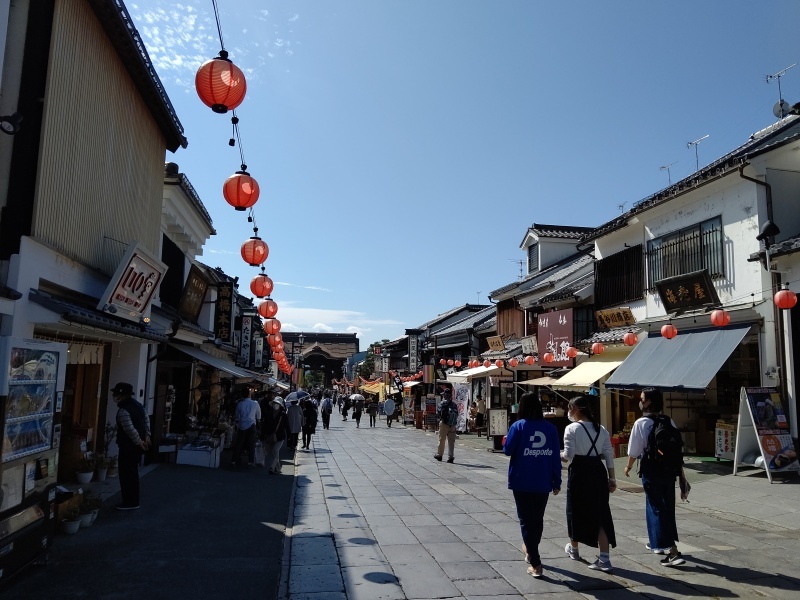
point(448, 417)
point(372, 411)
point(388, 409)
point(346, 407)
point(659, 485)
point(294, 413)
point(309, 421)
point(247, 419)
point(326, 410)
point(589, 483)
point(534, 472)
point(358, 408)
point(275, 433)
point(133, 439)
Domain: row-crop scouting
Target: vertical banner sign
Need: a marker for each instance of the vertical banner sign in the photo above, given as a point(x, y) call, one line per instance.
point(258, 352)
point(763, 433)
point(244, 351)
point(555, 336)
point(413, 358)
point(223, 313)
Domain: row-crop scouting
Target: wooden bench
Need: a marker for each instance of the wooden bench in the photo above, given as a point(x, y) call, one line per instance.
point(480, 430)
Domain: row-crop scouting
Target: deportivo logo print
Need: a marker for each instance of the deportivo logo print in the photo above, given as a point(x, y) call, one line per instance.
point(537, 440)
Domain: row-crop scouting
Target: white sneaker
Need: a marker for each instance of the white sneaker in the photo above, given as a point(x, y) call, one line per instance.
point(572, 552)
point(601, 565)
point(657, 550)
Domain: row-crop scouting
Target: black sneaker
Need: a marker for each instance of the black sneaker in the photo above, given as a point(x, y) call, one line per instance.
point(451, 459)
point(672, 560)
point(437, 457)
point(126, 507)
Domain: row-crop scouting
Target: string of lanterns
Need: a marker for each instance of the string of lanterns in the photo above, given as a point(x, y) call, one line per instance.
point(222, 86)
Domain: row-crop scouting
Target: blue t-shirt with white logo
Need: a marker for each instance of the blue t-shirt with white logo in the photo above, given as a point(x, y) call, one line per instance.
point(534, 448)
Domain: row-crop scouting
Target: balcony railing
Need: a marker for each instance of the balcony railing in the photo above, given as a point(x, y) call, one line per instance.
point(692, 251)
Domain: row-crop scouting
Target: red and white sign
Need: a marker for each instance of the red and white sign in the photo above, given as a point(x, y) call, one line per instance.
point(134, 285)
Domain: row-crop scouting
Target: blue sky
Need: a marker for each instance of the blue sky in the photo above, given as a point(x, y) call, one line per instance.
point(403, 147)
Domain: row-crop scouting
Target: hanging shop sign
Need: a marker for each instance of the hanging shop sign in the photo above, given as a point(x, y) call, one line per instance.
point(134, 284)
point(554, 336)
point(258, 351)
point(614, 317)
point(762, 433)
point(495, 343)
point(223, 313)
point(398, 382)
point(529, 345)
point(413, 353)
point(246, 335)
point(684, 292)
point(194, 293)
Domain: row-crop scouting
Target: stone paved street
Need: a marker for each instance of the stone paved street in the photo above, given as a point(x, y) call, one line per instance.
point(374, 516)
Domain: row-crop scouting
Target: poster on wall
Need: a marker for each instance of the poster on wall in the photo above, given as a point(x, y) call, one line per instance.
point(555, 335)
point(762, 433)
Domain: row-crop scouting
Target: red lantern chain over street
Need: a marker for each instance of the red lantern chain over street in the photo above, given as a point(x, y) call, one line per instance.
point(255, 251)
point(261, 285)
point(268, 308)
point(220, 84)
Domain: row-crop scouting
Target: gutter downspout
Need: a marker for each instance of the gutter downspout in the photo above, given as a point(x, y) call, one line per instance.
point(778, 320)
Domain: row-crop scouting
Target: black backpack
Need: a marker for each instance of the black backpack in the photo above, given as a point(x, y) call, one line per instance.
point(664, 447)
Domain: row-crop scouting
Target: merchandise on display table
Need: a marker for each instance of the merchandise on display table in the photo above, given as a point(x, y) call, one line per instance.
point(203, 451)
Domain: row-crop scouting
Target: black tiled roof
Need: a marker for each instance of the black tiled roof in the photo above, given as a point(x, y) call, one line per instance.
point(615, 335)
point(569, 290)
point(471, 321)
point(560, 231)
point(778, 134)
point(789, 246)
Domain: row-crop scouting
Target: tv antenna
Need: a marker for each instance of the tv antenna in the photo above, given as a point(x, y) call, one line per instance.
point(479, 296)
point(621, 206)
point(695, 144)
point(521, 263)
point(667, 169)
point(781, 109)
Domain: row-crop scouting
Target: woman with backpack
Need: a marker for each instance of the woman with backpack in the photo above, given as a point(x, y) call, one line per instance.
point(658, 482)
point(448, 417)
point(589, 482)
point(534, 472)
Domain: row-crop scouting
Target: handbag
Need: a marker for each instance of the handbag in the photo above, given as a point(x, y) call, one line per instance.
point(260, 459)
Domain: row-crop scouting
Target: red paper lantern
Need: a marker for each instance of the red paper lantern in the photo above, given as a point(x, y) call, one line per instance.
point(548, 357)
point(261, 286)
point(274, 338)
point(598, 348)
point(630, 339)
point(499, 363)
point(572, 352)
point(720, 317)
point(458, 363)
point(255, 251)
point(240, 190)
point(513, 362)
point(272, 326)
point(220, 84)
point(279, 346)
point(268, 309)
point(529, 360)
point(669, 331)
point(442, 361)
point(487, 363)
point(450, 362)
point(785, 299)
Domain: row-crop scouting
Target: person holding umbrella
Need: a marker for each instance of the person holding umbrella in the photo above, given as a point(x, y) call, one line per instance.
point(388, 409)
point(295, 416)
point(358, 407)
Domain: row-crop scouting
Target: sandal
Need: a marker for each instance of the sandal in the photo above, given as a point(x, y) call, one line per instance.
point(535, 571)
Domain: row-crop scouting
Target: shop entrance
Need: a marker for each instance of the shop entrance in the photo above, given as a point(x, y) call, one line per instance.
point(82, 417)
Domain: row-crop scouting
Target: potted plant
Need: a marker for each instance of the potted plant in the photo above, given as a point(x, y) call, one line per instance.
point(85, 470)
point(71, 521)
point(92, 504)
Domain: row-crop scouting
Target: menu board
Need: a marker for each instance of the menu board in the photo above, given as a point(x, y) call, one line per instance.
point(498, 421)
point(762, 433)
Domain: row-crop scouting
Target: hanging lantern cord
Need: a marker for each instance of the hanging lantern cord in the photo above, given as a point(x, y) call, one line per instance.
point(219, 28)
point(235, 123)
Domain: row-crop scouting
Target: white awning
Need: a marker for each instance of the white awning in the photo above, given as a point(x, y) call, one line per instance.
point(468, 374)
point(585, 374)
point(548, 381)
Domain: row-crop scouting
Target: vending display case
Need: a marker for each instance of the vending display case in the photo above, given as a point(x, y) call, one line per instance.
point(32, 374)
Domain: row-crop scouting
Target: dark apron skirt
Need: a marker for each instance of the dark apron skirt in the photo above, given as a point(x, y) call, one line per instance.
point(587, 501)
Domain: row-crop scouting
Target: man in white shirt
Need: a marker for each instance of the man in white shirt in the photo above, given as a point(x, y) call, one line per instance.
point(248, 415)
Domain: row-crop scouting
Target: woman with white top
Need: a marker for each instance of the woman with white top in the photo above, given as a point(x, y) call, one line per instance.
point(589, 482)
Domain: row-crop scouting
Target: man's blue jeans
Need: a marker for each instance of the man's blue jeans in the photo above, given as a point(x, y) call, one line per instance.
point(530, 510)
point(660, 510)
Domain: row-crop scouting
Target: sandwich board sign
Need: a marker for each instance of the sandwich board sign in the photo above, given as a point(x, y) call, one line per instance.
point(763, 431)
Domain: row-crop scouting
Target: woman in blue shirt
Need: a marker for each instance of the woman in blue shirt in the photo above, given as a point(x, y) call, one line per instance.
point(533, 472)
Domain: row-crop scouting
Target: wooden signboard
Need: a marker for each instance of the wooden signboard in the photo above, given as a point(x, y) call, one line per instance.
point(763, 433)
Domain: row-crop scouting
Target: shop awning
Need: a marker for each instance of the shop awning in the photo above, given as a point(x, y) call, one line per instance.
point(581, 378)
point(689, 361)
point(468, 374)
point(372, 388)
point(548, 381)
point(217, 363)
